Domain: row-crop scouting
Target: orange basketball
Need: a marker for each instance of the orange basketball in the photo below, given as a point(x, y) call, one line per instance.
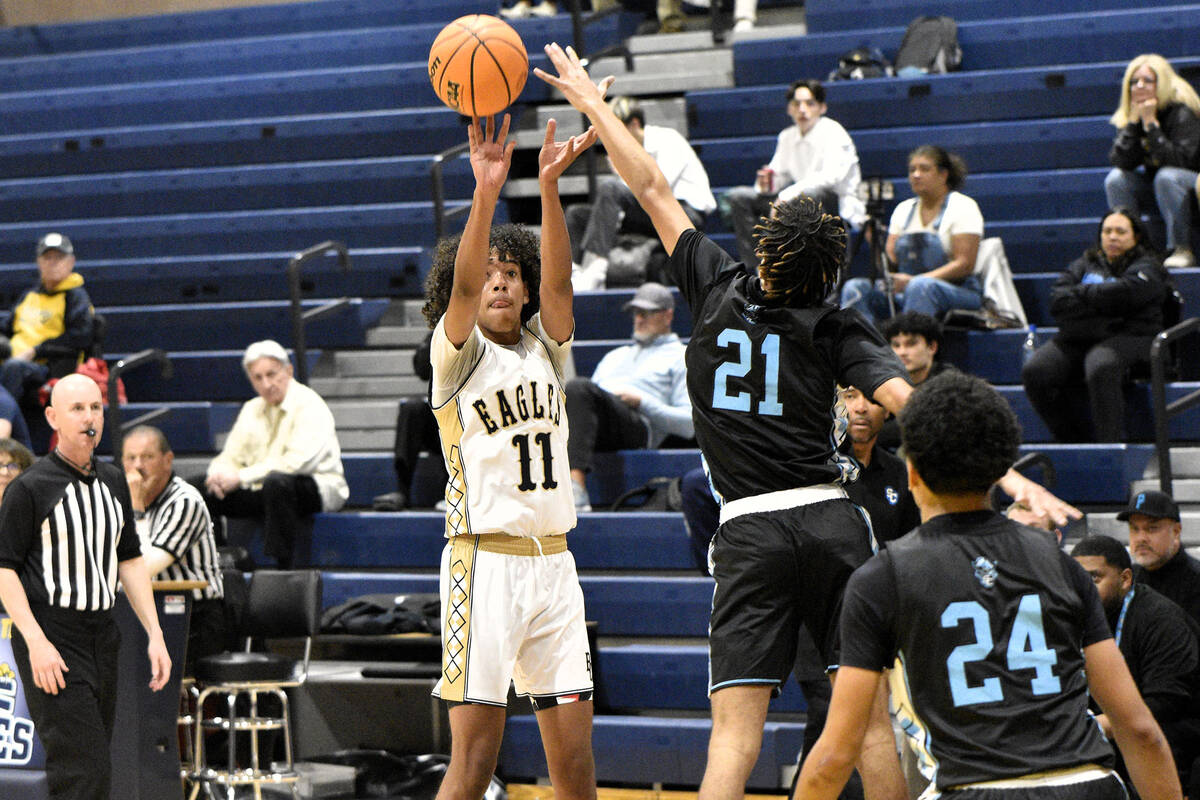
point(478, 65)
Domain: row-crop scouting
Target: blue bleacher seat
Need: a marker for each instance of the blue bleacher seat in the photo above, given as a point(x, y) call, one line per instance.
point(1001, 95)
point(413, 539)
point(1080, 38)
point(229, 326)
point(219, 371)
point(826, 16)
point(599, 315)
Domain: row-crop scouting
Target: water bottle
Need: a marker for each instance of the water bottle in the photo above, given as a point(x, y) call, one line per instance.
point(1029, 346)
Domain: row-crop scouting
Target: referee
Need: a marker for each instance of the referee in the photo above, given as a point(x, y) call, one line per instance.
point(66, 536)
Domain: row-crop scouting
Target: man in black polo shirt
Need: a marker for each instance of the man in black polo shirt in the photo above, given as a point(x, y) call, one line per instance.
point(1154, 542)
point(1156, 638)
point(996, 636)
point(67, 537)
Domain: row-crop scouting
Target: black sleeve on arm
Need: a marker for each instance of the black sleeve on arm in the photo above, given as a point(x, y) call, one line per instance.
point(1127, 151)
point(1177, 139)
point(868, 637)
point(16, 526)
point(862, 358)
point(1167, 655)
point(695, 263)
point(1141, 285)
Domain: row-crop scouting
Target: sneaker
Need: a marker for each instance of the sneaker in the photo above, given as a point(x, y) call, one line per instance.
point(440, 505)
point(592, 277)
point(1181, 257)
point(518, 10)
point(582, 501)
point(742, 25)
point(546, 8)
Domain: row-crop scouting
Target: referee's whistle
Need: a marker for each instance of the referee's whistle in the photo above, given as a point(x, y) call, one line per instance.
point(91, 432)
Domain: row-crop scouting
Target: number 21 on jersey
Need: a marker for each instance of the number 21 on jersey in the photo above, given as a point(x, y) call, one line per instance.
point(1026, 650)
point(739, 365)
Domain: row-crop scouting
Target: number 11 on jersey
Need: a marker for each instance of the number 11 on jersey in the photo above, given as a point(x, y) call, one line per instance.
point(739, 366)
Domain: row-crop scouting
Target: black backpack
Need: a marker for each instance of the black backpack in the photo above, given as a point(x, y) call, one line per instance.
point(930, 45)
point(861, 62)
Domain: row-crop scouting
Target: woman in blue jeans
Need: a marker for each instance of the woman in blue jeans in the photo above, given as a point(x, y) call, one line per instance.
point(932, 242)
point(1157, 150)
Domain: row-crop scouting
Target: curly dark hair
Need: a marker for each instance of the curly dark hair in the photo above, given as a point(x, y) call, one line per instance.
point(801, 248)
point(917, 324)
point(1114, 553)
point(515, 243)
point(959, 434)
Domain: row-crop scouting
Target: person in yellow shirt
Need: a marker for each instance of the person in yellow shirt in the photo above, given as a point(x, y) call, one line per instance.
point(51, 325)
point(282, 460)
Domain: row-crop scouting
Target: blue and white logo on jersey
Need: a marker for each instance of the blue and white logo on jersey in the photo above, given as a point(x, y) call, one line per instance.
point(985, 572)
point(750, 313)
point(892, 495)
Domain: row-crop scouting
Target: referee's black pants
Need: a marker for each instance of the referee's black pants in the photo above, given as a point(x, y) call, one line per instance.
point(75, 725)
point(283, 499)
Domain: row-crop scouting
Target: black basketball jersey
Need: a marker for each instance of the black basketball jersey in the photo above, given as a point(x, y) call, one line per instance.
point(763, 378)
point(985, 621)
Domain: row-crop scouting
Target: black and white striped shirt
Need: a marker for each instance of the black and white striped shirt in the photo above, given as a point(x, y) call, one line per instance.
point(178, 522)
point(64, 533)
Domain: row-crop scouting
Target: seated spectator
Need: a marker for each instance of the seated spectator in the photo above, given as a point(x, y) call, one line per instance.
point(636, 397)
point(281, 460)
point(932, 243)
point(617, 211)
point(1155, 152)
point(177, 536)
point(1109, 306)
point(523, 8)
point(669, 12)
point(15, 458)
point(815, 156)
point(1155, 543)
point(1157, 640)
point(915, 339)
point(51, 325)
point(416, 431)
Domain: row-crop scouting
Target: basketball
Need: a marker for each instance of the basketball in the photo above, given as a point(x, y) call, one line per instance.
point(478, 65)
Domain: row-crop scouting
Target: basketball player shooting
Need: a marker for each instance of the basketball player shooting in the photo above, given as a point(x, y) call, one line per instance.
point(512, 608)
point(763, 363)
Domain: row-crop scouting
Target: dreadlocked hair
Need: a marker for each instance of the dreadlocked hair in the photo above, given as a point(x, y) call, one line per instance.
point(513, 242)
point(800, 249)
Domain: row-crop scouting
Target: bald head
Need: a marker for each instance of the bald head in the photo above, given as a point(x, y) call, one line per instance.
point(75, 409)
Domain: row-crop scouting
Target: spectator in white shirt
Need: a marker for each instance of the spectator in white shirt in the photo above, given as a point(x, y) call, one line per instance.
point(637, 396)
point(281, 461)
point(814, 157)
point(616, 210)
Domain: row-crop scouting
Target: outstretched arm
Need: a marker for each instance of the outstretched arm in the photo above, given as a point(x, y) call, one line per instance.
point(635, 166)
point(491, 155)
point(557, 298)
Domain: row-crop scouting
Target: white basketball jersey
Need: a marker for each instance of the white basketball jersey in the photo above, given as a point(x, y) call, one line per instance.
point(502, 416)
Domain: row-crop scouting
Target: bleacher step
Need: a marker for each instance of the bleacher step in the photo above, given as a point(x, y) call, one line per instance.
point(1185, 463)
point(368, 387)
point(372, 363)
point(349, 414)
point(1186, 490)
point(396, 336)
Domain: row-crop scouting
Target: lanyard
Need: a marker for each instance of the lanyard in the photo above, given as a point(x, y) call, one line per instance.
point(1121, 619)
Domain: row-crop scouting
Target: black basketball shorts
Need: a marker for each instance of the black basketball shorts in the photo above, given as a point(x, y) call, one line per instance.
point(774, 571)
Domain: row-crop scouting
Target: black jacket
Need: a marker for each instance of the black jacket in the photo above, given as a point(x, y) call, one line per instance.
point(1177, 580)
point(1126, 300)
point(1174, 143)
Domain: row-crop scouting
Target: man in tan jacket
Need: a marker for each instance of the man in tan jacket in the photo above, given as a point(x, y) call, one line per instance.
point(282, 459)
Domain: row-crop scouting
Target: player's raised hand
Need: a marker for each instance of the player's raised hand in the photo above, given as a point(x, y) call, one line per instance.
point(556, 156)
point(491, 153)
point(572, 78)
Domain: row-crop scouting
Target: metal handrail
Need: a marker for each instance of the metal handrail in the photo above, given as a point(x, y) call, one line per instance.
point(300, 317)
point(1163, 411)
point(438, 189)
point(112, 414)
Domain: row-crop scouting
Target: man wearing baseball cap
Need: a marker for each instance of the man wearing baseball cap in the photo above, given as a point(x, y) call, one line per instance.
point(1154, 543)
point(638, 394)
point(51, 325)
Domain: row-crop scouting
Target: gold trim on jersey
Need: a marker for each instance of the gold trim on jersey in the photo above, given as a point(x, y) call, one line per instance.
point(910, 722)
point(507, 545)
point(456, 625)
point(451, 426)
point(1067, 776)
